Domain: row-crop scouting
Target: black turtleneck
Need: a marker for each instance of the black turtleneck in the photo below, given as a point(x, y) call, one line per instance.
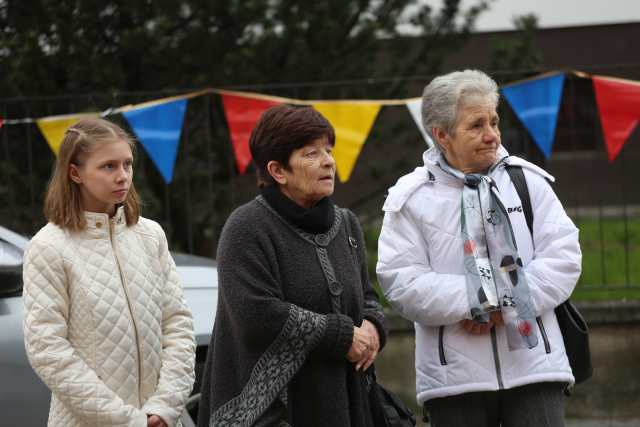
point(316, 220)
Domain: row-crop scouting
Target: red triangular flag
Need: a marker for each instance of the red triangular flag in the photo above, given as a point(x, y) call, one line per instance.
point(1, 121)
point(242, 115)
point(619, 106)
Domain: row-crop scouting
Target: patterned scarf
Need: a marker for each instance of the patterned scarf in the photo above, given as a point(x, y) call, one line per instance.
point(493, 268)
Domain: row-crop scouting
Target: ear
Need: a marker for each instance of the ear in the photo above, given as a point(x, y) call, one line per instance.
point(276, 171)
point(442, 138)
point(74, 173)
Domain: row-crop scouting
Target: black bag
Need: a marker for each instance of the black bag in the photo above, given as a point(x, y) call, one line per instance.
point(387, 409)
point(575, 332)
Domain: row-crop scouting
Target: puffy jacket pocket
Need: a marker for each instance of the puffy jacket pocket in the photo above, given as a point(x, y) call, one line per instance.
point(443, 360)
point(543, 332)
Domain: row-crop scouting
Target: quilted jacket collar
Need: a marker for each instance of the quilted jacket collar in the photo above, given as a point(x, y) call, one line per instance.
point(98, 224)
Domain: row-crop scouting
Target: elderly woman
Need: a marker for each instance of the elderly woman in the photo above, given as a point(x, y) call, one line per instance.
point(456, 257)
point(298, 321)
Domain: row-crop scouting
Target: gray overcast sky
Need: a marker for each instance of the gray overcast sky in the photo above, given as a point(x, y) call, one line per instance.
point(554, 13)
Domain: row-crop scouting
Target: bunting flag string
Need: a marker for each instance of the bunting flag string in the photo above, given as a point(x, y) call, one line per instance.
point(54, 127)
point(352, 124)
point(158, 123)
point(242, 114)
point(619, 107)
point(158, 128)
point(536, 103)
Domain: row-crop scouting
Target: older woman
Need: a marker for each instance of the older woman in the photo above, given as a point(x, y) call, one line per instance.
point(298, 321)
point(456, 257)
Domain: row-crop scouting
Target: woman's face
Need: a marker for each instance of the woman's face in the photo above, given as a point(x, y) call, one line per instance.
point(472, 146)
point(104, 176)
point(310, 175)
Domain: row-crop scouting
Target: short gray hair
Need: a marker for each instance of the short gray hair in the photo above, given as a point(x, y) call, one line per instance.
point(444, 95)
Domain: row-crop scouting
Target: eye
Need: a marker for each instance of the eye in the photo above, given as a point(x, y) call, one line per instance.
point(311, 153)
point(107, 166)
point(128, 164)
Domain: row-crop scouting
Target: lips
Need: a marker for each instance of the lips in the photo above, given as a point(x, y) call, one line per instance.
point(120, 192)
point(488, 150)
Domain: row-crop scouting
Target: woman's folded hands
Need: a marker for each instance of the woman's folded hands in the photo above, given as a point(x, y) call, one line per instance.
point(365, 346)
point(476, 328)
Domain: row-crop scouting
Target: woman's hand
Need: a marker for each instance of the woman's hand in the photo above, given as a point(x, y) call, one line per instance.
point(361, 345)
point(373, 331)
point(365, 346)
point(477, 328)
point(496, 318)
point(155, 421)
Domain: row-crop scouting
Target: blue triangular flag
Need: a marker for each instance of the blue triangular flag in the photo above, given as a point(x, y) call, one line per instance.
point(158, 129)
point(536, 103)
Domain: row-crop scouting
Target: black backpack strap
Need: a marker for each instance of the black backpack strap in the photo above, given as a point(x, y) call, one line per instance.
point(520, 182)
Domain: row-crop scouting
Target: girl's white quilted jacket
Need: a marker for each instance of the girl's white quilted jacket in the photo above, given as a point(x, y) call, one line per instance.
point(106, 325)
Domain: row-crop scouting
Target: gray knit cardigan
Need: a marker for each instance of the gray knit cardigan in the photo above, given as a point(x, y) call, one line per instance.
point(287, 304)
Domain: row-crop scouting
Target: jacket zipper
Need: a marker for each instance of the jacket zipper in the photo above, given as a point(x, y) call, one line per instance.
point(133, 319)
point(496, 357)
point(547, 346)
point(443, 361)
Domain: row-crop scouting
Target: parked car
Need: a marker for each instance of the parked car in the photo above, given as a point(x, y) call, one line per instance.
point(24, 399)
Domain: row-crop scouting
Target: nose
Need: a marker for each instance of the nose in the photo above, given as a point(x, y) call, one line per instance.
point(491, 134)
point(328, 160)
point(122, 174)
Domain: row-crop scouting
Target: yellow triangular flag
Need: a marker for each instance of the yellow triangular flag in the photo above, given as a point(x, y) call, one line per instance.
point(352, 123)
point(53, 127)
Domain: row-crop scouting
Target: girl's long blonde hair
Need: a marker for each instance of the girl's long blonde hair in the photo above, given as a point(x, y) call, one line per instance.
point(63, 203)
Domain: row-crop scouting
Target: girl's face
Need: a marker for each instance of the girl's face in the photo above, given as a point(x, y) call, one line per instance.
point(104, 176)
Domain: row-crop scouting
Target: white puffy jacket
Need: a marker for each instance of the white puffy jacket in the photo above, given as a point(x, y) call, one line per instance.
point(106, 326)
point(420, 268)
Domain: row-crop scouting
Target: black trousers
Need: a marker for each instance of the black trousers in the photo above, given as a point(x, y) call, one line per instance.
point(533, 405)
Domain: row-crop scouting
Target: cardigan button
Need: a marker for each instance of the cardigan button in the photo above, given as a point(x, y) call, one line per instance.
point(98, 224)
point(335, 288)
point(321, 240)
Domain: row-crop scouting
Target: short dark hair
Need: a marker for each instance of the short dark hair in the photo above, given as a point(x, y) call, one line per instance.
point(281, 130)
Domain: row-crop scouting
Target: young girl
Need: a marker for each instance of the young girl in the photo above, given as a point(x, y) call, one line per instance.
point(106, 326)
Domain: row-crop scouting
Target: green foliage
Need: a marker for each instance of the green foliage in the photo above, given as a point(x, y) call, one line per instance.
point(518, 54)
point(72, 46)
point(609, 259)
point(371, 234)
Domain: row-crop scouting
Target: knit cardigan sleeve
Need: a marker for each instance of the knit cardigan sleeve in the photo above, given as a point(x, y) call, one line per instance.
point(252, 304)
